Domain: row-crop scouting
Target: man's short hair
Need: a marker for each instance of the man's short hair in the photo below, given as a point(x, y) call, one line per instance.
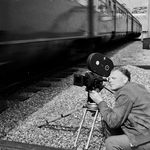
point(124, 71)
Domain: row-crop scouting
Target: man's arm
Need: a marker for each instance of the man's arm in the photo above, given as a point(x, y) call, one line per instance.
point(115, 117)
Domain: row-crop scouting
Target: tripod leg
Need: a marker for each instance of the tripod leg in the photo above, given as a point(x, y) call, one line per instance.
point(84, 114)
point(59, 117)
point(88, 142)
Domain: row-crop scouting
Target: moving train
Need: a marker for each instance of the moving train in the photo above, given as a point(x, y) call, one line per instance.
point(37, 33)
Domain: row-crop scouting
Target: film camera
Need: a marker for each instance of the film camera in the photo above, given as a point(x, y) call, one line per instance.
point(100, 68)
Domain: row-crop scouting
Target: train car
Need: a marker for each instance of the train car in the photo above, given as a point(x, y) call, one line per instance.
point(37, 33)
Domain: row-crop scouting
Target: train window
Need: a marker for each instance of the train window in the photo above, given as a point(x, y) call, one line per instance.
point(121, 13)
point(103, 1)
point(111, 7)
point(118, 13)
point(82, 2)
point(100, 6)
point(96, 5)
point(114, 7)
point(124, 15)
point(110, 4)
point(117, 10)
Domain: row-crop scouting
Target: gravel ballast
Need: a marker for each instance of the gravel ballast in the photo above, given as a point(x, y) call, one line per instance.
point(20, 122)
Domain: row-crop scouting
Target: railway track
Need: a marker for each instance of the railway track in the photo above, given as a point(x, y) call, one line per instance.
point(34, 82)
point(21, 81)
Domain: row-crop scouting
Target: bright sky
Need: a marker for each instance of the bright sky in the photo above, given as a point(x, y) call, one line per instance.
point(134, 3)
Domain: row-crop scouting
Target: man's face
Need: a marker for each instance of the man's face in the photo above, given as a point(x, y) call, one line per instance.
point(117, 80)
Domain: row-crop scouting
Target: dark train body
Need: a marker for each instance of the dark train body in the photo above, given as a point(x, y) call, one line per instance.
point(37, 32)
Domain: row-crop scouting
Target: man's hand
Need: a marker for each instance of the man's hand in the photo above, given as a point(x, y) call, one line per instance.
point(96, 97)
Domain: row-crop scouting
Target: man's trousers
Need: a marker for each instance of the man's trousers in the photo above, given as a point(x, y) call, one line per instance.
point(121, 142)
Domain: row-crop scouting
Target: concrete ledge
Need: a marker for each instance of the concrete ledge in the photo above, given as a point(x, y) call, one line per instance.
point(146, 43)
point(140, 66)
point(11, 145)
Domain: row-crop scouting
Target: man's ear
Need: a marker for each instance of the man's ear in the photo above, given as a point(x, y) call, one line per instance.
point(125, 79)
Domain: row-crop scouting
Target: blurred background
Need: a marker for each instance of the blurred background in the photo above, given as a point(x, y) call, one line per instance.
point(139, 8)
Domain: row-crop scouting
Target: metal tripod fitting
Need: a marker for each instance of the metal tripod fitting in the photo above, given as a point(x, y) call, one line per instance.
point(92, 127)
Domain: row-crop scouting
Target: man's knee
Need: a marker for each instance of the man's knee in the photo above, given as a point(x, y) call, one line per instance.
point(109, 143)
point(117, 142)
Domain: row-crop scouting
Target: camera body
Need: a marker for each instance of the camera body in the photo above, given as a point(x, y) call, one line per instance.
point(90, 80)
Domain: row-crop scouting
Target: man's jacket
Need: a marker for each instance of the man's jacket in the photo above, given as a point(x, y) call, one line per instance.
point(131, 112)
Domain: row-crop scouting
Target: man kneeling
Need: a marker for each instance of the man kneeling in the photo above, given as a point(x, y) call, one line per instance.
point(131, 112)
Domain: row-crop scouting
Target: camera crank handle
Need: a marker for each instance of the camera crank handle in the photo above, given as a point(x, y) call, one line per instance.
point(97, 90)
point(109, 90)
